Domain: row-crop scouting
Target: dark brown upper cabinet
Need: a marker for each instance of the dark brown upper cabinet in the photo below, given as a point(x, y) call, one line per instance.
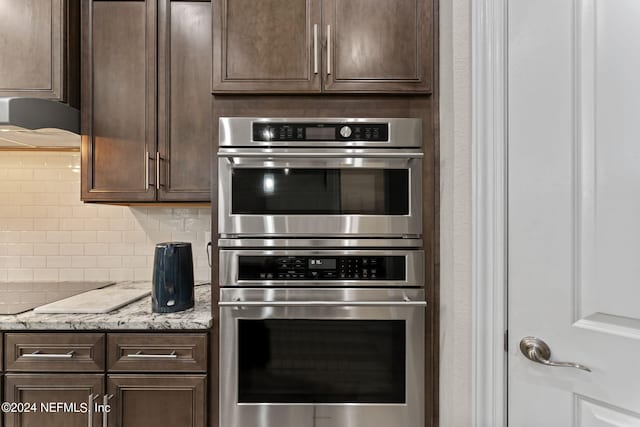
point(184, 100)
point(146, 102)
point(331, 46)
point(39, 49)
point(266, 46)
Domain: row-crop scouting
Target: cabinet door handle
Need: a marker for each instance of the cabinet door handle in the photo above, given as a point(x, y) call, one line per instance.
point(105, 415)
point(37, 355)
point(315, 49)
point(146, 171)
point(140, 355)
point(92, 398)
point(328, 49)
point(157, 170)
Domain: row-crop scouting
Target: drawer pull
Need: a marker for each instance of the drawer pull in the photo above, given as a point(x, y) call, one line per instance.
point(37, 355)
point(140, 355)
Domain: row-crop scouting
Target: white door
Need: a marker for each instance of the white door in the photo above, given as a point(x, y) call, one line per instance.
point(574, 210)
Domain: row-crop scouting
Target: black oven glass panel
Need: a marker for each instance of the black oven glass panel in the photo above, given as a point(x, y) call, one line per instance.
point(321, 361)
point(284, 191)
point(301, 267)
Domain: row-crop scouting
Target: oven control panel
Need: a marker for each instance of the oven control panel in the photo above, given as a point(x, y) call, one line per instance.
point(361, 267)
point(294, 132)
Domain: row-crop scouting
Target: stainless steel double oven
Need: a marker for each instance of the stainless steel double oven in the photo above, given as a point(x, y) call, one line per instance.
point(322, 303)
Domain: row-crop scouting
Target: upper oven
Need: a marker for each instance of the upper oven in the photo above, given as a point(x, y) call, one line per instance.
point(320, 177)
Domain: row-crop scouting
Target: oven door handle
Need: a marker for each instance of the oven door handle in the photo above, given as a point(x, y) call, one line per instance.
point(322, 155)
point(322, 303)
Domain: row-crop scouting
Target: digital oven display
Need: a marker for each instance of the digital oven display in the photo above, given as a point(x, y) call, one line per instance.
point(322, 264)
point(319, 134)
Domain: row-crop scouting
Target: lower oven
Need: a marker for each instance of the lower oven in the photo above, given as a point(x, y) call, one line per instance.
point(323, 355)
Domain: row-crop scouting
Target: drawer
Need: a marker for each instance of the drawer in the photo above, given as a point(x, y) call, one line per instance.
point(61, 352)
point(157, 352)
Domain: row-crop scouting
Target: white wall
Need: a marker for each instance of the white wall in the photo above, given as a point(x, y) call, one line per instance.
point(48, 234)
point(455, 213)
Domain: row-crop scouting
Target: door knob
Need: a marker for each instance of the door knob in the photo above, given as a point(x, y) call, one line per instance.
point(538, 351)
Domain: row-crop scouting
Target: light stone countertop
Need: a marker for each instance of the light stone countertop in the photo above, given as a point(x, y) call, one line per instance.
point(134, 316)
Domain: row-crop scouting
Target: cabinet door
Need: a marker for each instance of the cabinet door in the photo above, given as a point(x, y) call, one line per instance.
point(184, 100)
point(45, 388)
point(378, 45)
point(31, 48)
point(266, 46)
point(118, 100)
point(157, 400)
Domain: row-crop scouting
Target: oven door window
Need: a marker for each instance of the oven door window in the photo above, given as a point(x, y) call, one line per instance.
point(321, 361)
point(355, 191)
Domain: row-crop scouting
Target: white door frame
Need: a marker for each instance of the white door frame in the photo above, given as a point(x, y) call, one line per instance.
point(489, 215)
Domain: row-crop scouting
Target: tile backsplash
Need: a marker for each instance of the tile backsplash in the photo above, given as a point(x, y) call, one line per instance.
point(48, 234)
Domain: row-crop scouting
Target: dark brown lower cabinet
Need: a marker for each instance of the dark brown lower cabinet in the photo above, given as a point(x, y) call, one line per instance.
point(146, 400)
point(49, 389)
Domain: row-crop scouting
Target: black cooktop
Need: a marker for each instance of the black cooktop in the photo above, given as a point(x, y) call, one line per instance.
point(17, 297)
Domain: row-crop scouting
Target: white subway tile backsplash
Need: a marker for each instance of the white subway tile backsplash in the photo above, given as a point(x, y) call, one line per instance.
point(46, 224)
point(95, 249)
point(9, 262)
point(135, 237)
point(109, 236)
point(58, 236)
point(70, 224)
point(10, 212)
point(9, 236)
point(71, 274)
point(84, 261)
point(108, 261)
point(20, 249)
point(72, 249)
point(144, 249)
point(121, 249)
point(46, 274)
point(20, 174)
point(120, 274)
point(19, 274)
point(46, 249)
point(121, 224)
point(97, 224)
point(96, 274)
point(134, 261)
point(83, 236)
point(33, 262)
point(17, 224)
point(56, 261)
point(142, 274)
point(184, 236)
point(110, 211)
point(48, 199)
point(48, 234)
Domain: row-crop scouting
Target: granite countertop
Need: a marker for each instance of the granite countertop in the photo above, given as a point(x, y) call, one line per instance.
point(134, 316)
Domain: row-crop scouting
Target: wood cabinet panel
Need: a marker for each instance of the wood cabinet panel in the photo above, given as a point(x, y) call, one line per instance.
point(37, 388)
point(157, 400)
point(31, 48)
point(190, 352)
point(184, 100)
point(363, 46)
point(265, 45)
point(378, 45)
point(85, 350)
point(119, 90)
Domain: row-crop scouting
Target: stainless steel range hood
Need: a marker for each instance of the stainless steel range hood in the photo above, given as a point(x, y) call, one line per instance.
point(38, 123)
